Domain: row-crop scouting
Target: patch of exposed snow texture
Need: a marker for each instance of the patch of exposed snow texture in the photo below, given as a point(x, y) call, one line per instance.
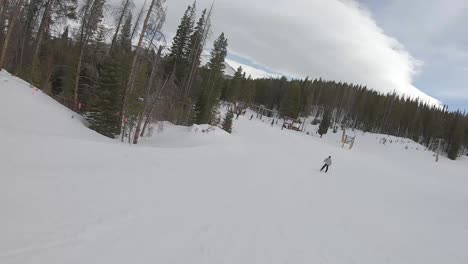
point(200, 195)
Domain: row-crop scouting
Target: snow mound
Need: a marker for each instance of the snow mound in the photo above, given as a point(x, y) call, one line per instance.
point(29, 111)
point(208, 129)
point(168, 135)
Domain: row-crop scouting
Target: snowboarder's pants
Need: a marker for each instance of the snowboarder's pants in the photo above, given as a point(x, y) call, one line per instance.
point(325, 166)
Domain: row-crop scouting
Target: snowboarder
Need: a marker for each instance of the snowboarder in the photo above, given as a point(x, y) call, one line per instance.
point(251, 117)
point(272, 122)
point(327, 163)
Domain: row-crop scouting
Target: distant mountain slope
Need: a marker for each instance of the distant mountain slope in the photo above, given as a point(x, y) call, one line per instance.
point(228, 70)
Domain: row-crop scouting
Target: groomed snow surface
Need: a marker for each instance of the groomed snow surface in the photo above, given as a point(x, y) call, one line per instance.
point(69, 195)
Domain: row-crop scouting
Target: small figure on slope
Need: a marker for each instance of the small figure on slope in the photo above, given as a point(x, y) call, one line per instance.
point(327, 163)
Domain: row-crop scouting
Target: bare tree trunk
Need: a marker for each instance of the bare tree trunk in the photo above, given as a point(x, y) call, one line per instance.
point(11, 26)
point(127, 2)
point(147, 93)
point(40, 31)
point(137, 21)
point(28, 25)
point(148, 118)
point(3, 15)
point(153, 106)
point(85, 32)
point(77, 78)
point(123, 132)
point(138, 128)
point(194, 66)
point(130, 134)
point(19, 67)
point(135, 59)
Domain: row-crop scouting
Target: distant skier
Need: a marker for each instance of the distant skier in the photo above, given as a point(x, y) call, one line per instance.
point(327, 163)
point(272, 122)
point(251, 117)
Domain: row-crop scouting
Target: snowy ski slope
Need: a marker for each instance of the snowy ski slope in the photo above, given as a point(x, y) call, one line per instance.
point(69, 195)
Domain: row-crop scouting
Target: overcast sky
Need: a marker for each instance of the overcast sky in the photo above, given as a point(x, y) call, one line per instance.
point(388, 45)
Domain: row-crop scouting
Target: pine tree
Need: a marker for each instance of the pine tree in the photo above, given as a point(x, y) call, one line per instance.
point(135, 100)
point(233, 89)
point(100, 46)
point(29, 14)
point(56, 9)
point(104, 116)
point(227, 122)
point(11, 28)
point(57, 81)
point(218, 55)
point(36, 74)
point(122, 51)
point(64, 36)
point(325, 124)
point(113, 77)
point(200, 114)
point(179, 54)
point(239, 74)
point(456, 137)
point(465, 136)
point(124, 41)
point(191, 25)
point(123, 11)
point(155, 11)
point(208, 100)
point(91, 15)
point(196, 40)
point(291, 104)
point(249, 90)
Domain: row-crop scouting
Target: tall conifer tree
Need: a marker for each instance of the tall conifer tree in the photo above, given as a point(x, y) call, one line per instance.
point(208, 99)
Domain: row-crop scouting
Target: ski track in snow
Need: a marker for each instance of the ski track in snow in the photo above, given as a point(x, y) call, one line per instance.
point(100, 228)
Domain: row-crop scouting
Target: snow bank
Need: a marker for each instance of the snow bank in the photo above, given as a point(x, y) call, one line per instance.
point(168, 135)
point(28, 111)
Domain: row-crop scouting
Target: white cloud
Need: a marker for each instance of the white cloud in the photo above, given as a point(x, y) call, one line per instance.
point(253, 72)
point(332, 39)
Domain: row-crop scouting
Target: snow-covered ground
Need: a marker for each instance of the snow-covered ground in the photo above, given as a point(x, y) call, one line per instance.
point(69, 195)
